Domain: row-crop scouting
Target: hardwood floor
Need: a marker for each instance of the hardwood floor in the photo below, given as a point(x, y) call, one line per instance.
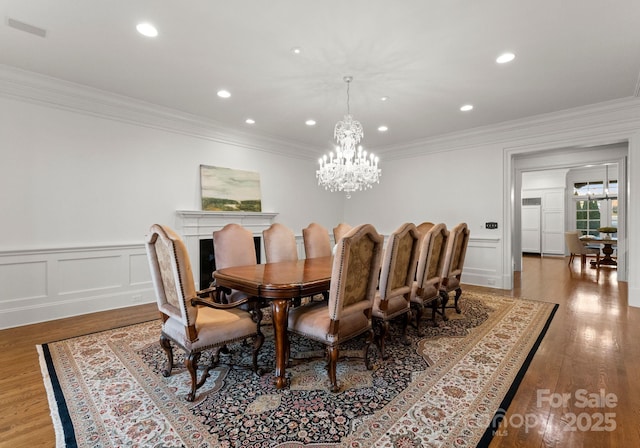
point(592, 345)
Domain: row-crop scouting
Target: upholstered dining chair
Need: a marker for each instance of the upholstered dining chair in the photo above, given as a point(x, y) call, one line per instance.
point(316, 241)
point(347, 313)
point(188, 320)
point(397, 275)
point(233, 245)
point(340, 230)
point(424, 227)
point(279, 243)
point(426, 288)
point(577, 247)
point(453, 266)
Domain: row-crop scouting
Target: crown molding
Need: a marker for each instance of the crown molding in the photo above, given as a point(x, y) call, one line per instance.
point(57, 93)
point(599, 118)
point(53, 92)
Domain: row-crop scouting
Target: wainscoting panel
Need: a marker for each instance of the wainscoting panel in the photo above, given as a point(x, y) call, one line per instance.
point(19, 281)
point(86, 275)
point(37, 286)
point(483, 263)
point(139, 270)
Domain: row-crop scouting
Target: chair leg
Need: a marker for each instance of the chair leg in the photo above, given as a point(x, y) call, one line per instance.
point(384, 329)
point(419, 310)
point(166, 345)
point(445, 299)
point(191, 363)
point(434, 310)
point(457, 296)
point(405, 323)
point(257, 344)
point(333, 361)
point(367, 344)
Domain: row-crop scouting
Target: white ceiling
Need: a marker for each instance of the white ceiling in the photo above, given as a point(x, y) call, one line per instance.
point(429, 57)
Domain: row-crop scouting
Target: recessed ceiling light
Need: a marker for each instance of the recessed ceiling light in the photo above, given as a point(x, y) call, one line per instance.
point(310, 122)
point(250, 121)
point(505, 57)
point(146, 29)
point(224, 93)
point(384, 98)
point(383, 128)
point(296, 50)
point(466, 108)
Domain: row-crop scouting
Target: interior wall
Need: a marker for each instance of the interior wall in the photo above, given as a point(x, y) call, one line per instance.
point(444, 187)
point(72, 179)
point(473, 177)
point(538, 180)
point(449, 186)
point(80, 190)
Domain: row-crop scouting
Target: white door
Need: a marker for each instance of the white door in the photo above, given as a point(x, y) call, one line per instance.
point(553, 222)
point(531, 229)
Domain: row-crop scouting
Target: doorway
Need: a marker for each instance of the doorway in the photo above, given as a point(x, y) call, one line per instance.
point(560, 158)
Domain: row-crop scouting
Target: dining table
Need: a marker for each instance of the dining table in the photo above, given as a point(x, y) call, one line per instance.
point(279, 283)
point(607, 250)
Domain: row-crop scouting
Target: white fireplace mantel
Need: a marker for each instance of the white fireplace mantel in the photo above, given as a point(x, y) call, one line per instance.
point(202, 224)
point(194, 226)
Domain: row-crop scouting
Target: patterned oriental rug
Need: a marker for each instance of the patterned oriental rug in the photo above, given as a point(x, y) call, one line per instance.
point(448, 388)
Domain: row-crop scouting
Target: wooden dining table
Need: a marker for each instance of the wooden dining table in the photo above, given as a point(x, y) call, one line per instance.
point(607, 250)
point(279, 283)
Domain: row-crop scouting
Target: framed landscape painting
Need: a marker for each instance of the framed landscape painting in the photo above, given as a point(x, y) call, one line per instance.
point(226, 189)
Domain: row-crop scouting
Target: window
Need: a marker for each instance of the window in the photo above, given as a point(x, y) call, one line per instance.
point(595, 206)
point(588, 217)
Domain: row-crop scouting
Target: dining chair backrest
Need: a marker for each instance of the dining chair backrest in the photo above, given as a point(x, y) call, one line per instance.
point(399, 262)
point(279, 244)
point(354, 276)
point(456, 251)
point(340, 230)
point(424, 227)
point(316, 241)
point(172, 276)
point(574, 244)
point(233, 245)
point(433, 250)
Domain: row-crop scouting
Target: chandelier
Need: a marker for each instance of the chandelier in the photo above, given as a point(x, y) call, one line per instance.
point(350, 168)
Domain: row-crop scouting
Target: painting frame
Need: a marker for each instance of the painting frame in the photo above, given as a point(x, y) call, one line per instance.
point(228, 189)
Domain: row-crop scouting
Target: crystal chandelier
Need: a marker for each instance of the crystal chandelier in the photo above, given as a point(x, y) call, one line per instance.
point(350, 168)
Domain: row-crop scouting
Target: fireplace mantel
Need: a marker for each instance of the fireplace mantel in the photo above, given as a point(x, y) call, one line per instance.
point(194, 226)
point(202, 224)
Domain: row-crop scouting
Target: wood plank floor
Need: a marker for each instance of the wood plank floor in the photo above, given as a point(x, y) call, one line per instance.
point(592, 345)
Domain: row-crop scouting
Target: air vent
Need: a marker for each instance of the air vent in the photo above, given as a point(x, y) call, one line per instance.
point(18, 25)
point(531, 201)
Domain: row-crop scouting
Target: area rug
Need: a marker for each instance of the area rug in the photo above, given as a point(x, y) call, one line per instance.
point(444, 389)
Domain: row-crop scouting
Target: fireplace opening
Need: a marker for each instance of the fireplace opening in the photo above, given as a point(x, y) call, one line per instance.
point(208, 261)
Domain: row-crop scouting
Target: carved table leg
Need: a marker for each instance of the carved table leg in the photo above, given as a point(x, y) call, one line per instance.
point(280, 311)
